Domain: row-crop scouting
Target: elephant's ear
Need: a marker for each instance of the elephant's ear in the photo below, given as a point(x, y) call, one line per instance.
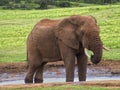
point(66, 33)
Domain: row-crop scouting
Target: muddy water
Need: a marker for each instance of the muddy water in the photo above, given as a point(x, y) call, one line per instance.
point(55, 74)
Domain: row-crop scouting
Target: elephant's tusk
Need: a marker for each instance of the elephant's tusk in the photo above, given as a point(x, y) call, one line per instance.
point(86, 53)
point(105, 48)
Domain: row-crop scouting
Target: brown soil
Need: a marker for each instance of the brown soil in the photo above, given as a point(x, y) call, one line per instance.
point(113, 66)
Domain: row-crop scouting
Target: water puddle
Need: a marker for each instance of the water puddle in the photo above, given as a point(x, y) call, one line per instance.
point(55, 74)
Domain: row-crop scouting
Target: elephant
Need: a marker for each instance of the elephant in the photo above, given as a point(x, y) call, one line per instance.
point(63, 40)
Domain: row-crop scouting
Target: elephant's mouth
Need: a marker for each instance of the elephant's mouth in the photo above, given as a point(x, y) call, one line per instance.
point(95, 57)
point(95, 60)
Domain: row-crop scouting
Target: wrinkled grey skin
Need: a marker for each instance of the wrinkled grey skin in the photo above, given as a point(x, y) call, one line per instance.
point(54, 40)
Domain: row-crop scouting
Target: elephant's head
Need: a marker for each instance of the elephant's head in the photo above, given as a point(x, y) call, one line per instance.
point(81, 30)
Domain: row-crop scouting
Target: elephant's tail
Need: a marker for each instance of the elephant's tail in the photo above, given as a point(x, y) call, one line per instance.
point(27, 66)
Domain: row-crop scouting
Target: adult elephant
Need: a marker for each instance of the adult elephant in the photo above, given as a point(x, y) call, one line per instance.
point(54, 40)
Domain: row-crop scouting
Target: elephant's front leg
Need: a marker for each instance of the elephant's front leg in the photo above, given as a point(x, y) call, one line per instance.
point(70, 66)
point(68, 57)
point(82, 65)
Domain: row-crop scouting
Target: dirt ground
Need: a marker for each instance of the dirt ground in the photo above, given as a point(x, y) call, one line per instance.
point(113, 66)
point(107, 84)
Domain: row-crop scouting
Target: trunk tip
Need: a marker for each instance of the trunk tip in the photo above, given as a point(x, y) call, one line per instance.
point(94, 61)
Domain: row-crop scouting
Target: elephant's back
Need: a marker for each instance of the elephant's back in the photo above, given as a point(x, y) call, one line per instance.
point(47, 22)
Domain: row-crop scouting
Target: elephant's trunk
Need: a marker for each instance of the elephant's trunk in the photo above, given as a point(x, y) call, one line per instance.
point(97, 51)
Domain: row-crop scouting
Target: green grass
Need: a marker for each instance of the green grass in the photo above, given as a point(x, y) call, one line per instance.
point(68, 87)
point(16, 24)
point(113, 54)
point(72, 88)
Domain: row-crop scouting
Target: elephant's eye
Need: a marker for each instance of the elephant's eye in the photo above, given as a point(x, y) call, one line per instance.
point(97, 39)
point(80, 32)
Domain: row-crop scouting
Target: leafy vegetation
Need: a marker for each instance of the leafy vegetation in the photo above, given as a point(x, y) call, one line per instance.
point(46, 4)
point(16, 24)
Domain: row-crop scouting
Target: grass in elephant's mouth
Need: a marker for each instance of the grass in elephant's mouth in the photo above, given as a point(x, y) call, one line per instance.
point(16, 24)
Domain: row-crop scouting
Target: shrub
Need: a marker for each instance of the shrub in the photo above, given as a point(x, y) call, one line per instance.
point(64, 4)
point(101, 1)
point(42, 4)
point(4, 2)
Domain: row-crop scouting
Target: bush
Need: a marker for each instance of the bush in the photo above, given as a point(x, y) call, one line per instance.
point(64, 4)
point(101, 1)
point(4, 2)
point(43, 4)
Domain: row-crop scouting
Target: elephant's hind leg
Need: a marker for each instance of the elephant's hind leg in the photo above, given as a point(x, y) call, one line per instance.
point(31, 71)
point(30, 74)
point(34, 61)
point(39, 73)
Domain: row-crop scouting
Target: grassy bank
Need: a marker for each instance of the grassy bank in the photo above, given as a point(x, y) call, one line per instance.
point(71, 87)
point(99, 85)
point(16, 24)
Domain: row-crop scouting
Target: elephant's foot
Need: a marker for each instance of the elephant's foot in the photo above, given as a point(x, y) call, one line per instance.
point(69, 80)
point(38, 80)
point(82, 79)
point(28, 80)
